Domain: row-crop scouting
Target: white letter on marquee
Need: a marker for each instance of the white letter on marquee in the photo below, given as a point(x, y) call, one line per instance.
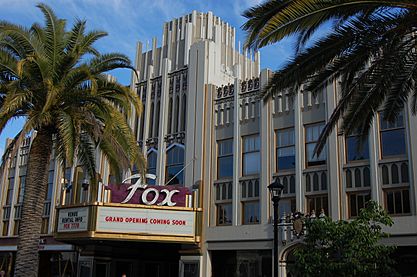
point(145, 194)
point(168, 197)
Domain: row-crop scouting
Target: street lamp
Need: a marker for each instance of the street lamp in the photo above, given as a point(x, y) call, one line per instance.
point(275, 190)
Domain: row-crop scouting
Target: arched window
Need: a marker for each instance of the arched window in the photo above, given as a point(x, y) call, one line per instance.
point(308, 183)
point(174, 173)
point(323, 181)
point(404, 173)
point(285, 183)
point(315, 181)
point(152, 158)
point(358, 178)
point(394, 174)
point(292, 184)
point(348, 178)
point(385, 179)
point(366, 177)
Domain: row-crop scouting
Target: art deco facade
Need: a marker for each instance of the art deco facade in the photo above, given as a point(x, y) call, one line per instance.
point(205, 129)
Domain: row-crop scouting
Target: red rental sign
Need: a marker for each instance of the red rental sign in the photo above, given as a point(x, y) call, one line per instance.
point(150, 195)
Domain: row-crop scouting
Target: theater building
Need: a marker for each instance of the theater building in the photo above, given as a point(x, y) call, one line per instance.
point(214, 147)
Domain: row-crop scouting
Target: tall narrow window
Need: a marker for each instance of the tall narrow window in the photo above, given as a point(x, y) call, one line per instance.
point(224, 158)
point(392, 136)
point(250, 201)
point(170, 116)
point(184, 112)
point(312, 135)
point(177, 112)
point(152, 158)
point(174, 173)
point(158, 106)
point(151, 115)
point(223, 203)
point(251, 156)
point(285, 149)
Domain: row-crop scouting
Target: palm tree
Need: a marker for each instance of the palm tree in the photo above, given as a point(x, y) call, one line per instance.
point(55, 79)
point(370, 48)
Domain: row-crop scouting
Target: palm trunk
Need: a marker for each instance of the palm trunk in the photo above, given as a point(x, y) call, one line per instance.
point(27, 256)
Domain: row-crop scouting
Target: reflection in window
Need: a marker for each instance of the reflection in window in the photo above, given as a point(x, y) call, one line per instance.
point(312, 136)
point(392, 136)
point(225, 158)
point(251, 155)
point(174, 174)
point(356, 149)
point(285, 149)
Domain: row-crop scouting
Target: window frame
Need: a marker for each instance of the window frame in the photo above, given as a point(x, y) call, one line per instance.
point(256, 150)
point(222, 199)
point(222, 156)
point(393, 190)
point(246, 198)
point(355, 137)
point(167, 165)
point(390, 129)
point(278, 147)
point(314, 163)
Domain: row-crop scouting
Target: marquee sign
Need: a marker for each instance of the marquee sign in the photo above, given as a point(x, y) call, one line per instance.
point(140, 193)
point(145, 221)
point(73, 220)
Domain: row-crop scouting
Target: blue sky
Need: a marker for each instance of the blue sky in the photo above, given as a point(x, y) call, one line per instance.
point(129, 21)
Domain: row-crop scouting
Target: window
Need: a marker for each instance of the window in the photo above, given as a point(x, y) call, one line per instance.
point(357, 201)
point(317, 203)
point(312, 136)
point(24, 154)
point(68, 186)
point(224, 158)
point(287, 206)
point(287, 203)
point(397, 201)
point(223, 201)
point(174, 174)
point(356, 149)
point(9, 197)
point(152, 158)
point(392, 136)
point(250, 201)
point(251, 155)
point(285, 149)
point(21, 193)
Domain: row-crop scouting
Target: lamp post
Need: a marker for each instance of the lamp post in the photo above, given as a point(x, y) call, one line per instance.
point(275, 190)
